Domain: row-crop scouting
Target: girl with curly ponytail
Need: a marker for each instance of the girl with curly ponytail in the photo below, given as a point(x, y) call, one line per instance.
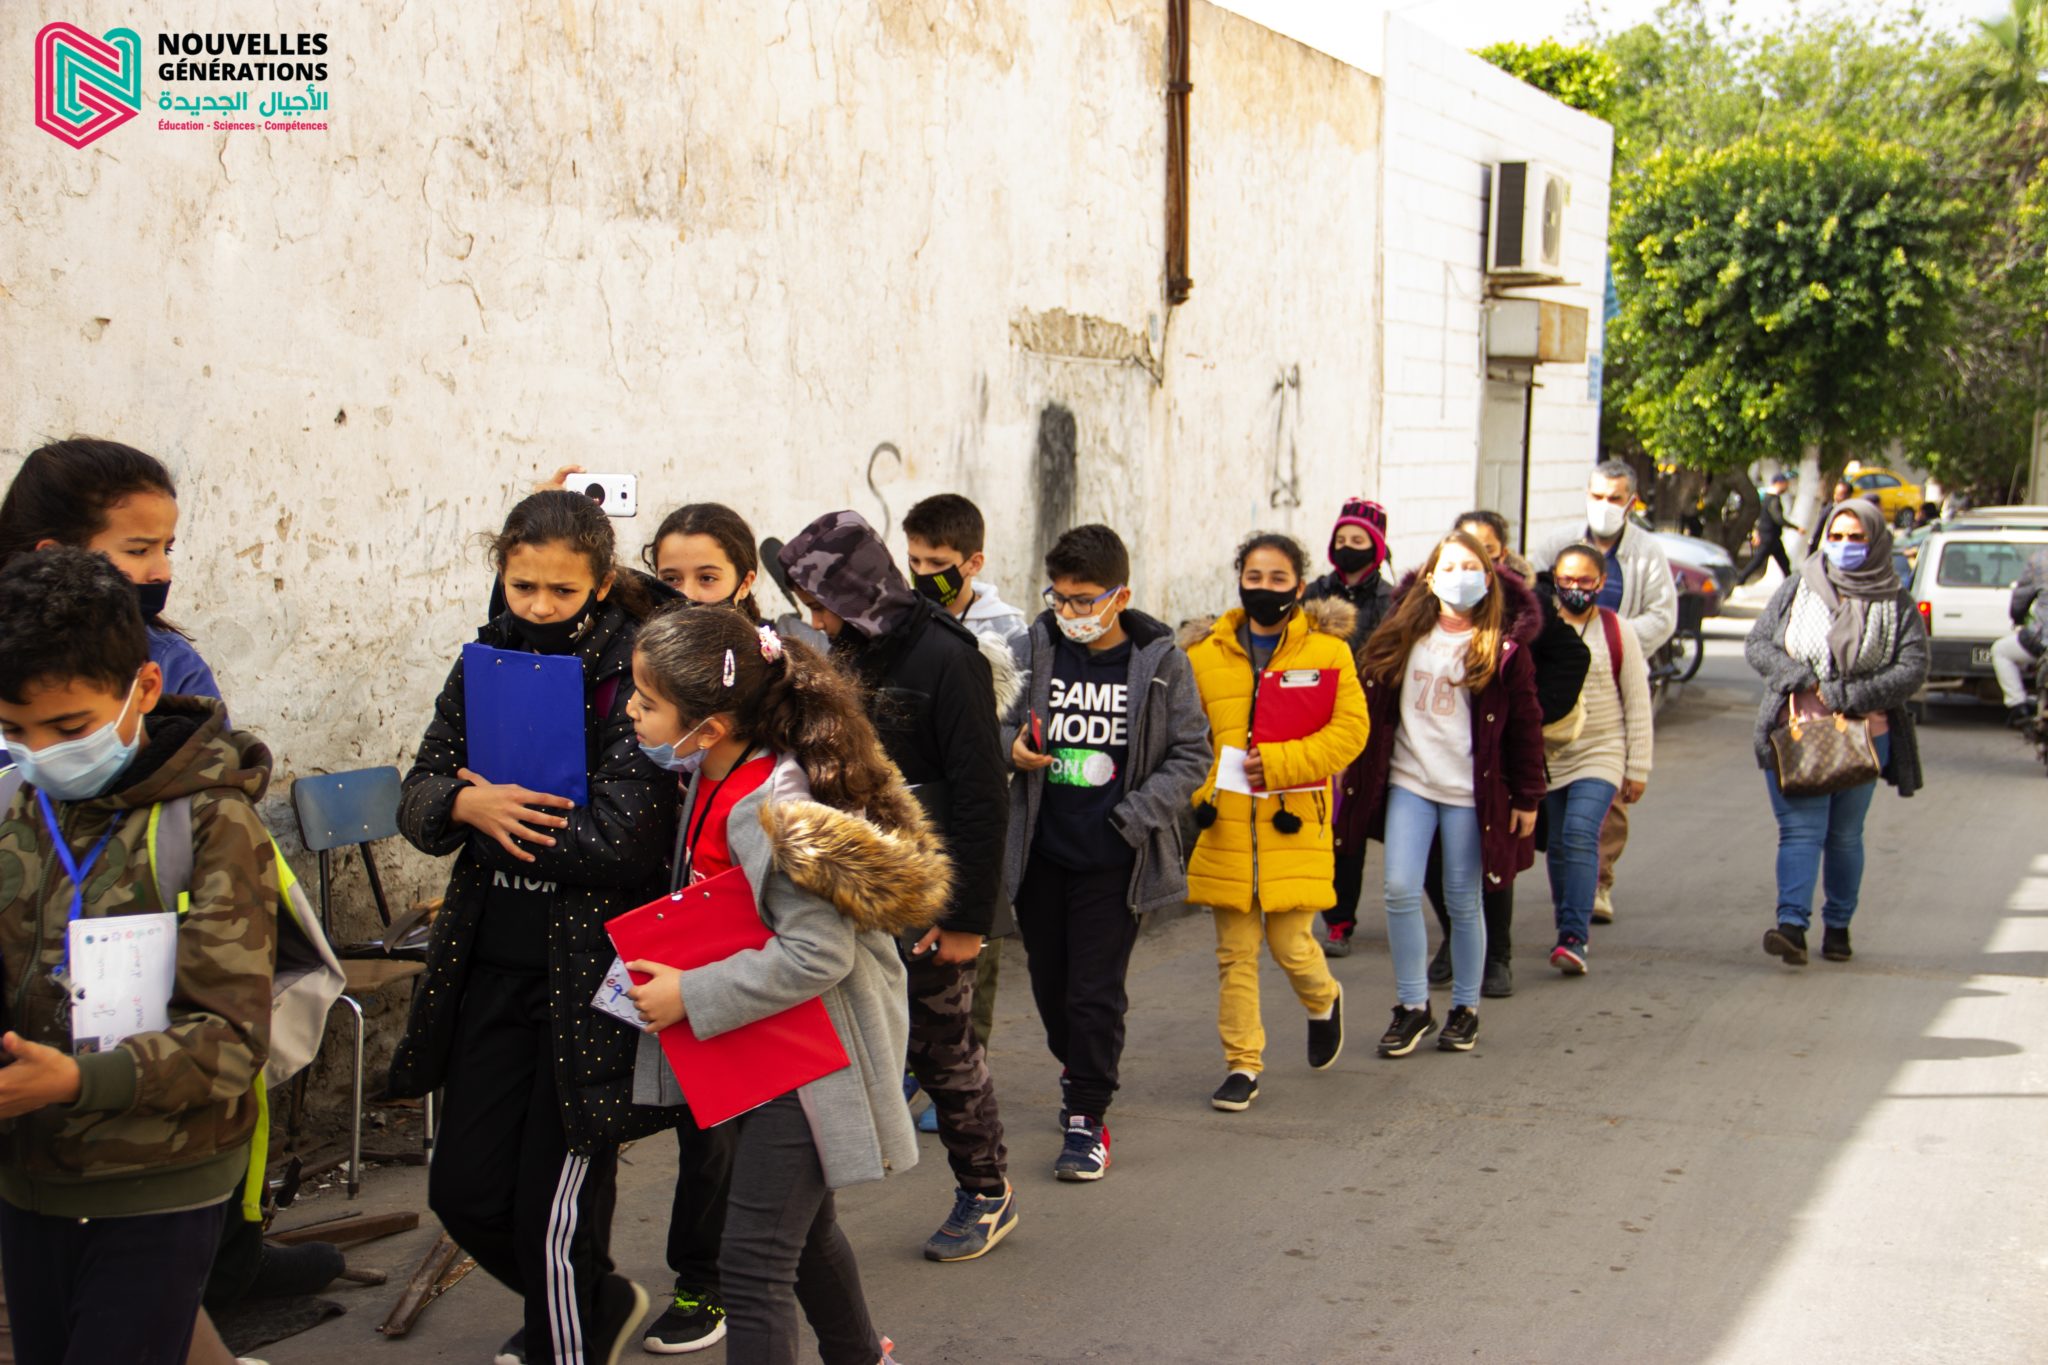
point(787, 784)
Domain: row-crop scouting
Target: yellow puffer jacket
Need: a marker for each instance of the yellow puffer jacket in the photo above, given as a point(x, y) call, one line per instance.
point(1240, 855)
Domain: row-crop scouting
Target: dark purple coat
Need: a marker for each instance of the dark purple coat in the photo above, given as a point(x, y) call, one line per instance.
point(1507, 748)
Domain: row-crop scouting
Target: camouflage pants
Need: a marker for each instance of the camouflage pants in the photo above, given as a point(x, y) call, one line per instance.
point(988, 970)
point(952, 1069)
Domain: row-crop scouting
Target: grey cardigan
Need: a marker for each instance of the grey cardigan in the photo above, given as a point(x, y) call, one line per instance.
point(1168, 759)
point(841, 949)
point(1888, 689)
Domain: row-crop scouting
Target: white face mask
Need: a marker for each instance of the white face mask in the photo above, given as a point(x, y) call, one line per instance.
point(1604, 518)
point(80, 769)
point(1083, 630)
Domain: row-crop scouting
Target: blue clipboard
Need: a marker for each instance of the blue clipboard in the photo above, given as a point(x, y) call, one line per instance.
point(525, 720)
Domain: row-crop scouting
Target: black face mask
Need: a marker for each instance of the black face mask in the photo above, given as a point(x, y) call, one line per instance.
point(1353, 559)
point(152, 596)
point(943, 587)
point(1267, 606)
point(556, 637)
point(1577, 601)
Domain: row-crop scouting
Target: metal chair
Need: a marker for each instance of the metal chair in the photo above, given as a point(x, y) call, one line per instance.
point(339, 812)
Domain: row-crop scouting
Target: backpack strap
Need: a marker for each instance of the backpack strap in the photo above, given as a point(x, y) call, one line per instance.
point(168, 838)
point(1610, 625)
point(607, 693)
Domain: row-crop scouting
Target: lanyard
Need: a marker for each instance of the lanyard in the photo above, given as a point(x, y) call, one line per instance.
point(73, 869)
point(704, 817)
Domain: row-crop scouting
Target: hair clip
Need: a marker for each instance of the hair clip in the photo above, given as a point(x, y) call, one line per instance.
point(771, 644)
point(729, 667)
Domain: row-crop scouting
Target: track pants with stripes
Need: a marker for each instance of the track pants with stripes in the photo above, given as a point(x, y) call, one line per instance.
point(504, 1183)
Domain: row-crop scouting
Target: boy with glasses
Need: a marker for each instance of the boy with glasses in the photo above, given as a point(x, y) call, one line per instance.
point(1109, 746)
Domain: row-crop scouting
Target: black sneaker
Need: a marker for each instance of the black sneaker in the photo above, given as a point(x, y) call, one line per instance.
point(1440, 970)
point(1834, 944)
point(1499, 981)
point(513, 1352)
point(1787, 941)
point(692, 1321)
point(1236, 1093)
point(1409, 1028)
point(2016, 717)
point(1326, 1037)
point(1461, 1030)
point(620, 1306)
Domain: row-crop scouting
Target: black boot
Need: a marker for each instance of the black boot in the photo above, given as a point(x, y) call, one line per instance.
point(1834, 944)
point(1440, 965)
point(1787, 941)
point(1499, 981)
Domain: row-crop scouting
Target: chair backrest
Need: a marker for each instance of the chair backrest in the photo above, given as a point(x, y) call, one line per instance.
point(340, 810)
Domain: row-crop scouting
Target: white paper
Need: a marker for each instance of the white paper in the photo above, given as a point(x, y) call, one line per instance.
point(1231, 777)
point(122, 971)
point(611, 995)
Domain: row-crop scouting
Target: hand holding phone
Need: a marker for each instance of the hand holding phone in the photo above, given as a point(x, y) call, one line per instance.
point(1028, 752)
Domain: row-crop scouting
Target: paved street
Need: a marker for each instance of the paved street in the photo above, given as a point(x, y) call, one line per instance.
point(1692, 1154)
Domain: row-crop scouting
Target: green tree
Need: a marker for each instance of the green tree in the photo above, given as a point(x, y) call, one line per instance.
point(1580, 75)
point(1781, 294)
point(2014, 52)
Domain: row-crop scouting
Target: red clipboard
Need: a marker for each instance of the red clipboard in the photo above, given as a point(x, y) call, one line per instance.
point(745, 1068)
point(1293, 704)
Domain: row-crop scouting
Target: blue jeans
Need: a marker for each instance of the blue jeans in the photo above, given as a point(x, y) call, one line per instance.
point(1413, 824)
point(1822, 833)
point(1576, 814)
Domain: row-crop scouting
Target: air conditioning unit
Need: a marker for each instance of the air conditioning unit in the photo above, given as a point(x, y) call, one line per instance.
point(1525, 236)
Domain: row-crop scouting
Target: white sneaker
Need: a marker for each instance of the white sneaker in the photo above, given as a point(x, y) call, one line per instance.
point(1603, 905)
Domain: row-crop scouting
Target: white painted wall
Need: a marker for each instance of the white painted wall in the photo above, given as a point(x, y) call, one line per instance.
point(1449, 116)
point(731, 249)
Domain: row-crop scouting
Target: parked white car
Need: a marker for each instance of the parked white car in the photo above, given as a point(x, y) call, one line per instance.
point(1963, 582)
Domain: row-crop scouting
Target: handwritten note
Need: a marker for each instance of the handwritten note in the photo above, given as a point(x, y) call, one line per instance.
point(611, 996)
point(122, 971)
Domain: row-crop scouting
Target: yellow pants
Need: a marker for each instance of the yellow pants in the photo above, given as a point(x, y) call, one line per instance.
point(1291, 939)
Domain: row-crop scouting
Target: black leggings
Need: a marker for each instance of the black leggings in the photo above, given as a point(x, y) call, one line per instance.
point(782, 1234)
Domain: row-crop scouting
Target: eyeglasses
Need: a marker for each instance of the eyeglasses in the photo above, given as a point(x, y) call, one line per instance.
point(1058, 603)
point(1564, 582)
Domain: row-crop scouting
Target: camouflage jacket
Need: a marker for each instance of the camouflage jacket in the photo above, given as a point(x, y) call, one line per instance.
point(163, 1121)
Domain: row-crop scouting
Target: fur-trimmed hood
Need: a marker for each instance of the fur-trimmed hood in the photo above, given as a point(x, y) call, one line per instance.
point(885, 870)
point(1009, 678)
point(1521, 612)
point(1326, 616)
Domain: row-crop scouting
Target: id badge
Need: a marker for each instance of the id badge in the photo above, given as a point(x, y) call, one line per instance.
point(122, 971)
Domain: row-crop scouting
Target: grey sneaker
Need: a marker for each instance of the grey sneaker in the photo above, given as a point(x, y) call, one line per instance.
point(976, 1224)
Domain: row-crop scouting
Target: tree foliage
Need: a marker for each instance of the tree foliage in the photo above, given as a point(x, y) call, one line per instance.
point(1580, 74)
point(1780, 292)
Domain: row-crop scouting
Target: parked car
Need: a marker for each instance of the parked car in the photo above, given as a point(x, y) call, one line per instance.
point(1963, 583)
point(1897, 497)
point(1706, 556)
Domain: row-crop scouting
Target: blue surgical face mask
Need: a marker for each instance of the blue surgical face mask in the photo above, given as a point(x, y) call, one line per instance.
point(665, 755)
point(80, 769)
point(1459, 589)
point(1846, 555)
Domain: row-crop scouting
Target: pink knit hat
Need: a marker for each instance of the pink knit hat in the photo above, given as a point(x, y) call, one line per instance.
point(1369, 515)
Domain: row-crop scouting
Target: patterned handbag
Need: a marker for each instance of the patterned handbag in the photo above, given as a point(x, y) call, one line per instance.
point(1822, 755)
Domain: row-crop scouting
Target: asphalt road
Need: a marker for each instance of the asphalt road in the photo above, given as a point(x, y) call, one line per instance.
point(1692, 1154)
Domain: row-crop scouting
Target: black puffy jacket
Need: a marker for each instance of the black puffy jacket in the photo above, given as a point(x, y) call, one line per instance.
point(612, 857)
point(931, 694)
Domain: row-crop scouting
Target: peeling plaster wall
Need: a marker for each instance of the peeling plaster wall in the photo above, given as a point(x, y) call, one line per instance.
point(794, 258)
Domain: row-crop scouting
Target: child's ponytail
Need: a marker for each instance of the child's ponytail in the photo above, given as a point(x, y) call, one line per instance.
point(781, 693)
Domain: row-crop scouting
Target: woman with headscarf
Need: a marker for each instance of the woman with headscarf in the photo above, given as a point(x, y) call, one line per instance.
point(1841, 638)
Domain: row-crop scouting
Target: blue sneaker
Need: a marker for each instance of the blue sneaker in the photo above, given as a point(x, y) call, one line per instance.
point(1086, 1154)
point(928, 1121)
point(977, 1223)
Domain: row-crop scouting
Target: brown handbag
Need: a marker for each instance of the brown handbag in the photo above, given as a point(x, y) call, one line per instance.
point(1823, 755)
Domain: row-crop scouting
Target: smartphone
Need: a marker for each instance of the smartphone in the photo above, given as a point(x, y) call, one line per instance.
point(1036, 739)
point(617, 494)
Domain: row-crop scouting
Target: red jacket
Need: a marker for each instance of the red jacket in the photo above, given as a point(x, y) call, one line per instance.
point(1507, 748)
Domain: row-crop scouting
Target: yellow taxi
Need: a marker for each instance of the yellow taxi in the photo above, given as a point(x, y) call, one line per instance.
point(1894, 494)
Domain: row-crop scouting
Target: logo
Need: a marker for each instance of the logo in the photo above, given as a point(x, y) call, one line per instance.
point(85, 86)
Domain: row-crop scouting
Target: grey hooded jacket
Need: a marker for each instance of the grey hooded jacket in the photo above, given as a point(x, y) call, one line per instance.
point(835, 889)
point(1168, 759)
